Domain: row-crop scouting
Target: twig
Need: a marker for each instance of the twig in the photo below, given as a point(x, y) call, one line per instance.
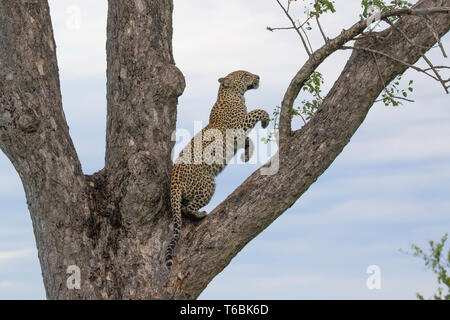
point(384, 83)
point(390, 57)
point(295, 27)
point(436, 36)
point(318, 23)
point(307, 39)
point(304, 121)
point(403, 34)
point(306, 21)
point(438, 67)
point(418, 3)
point(279, 28)
point(432, 67)
point(437, 76)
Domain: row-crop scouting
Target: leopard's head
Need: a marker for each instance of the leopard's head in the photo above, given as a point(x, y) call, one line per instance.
point(240, 80)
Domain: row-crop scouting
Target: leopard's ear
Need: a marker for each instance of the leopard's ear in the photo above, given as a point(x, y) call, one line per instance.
point(225, 82)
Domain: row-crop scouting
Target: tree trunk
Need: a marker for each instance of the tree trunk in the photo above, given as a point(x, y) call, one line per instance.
point(115, 225)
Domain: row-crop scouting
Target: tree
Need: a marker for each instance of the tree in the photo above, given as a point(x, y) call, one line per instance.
point(115, 224)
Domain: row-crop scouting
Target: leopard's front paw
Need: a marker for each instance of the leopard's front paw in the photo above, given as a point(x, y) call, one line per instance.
point(265, 121)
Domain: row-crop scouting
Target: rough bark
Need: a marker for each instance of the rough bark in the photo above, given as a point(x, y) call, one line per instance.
point(35, 136)
point(115, 224)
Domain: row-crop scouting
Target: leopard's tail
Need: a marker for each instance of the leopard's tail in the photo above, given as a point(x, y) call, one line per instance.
point(175, 202)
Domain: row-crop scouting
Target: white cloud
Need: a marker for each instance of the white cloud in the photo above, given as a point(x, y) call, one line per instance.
point(369, 181)
point(370, 210)
point(281, 246)
point(325, 282)
point(80, 36)
point(8, 256)
point(414, 132)
point(10, 184)
point(7, 284)
point(10, 232)
point(268, 283)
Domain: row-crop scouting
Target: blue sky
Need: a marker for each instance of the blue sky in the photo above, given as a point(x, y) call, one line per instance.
point(388, 188)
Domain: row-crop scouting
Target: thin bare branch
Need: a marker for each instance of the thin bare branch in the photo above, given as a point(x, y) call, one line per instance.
point(290, 28)
point(438, 40)
point(432, 67)
point(305, 22)
point(295, 27)
point(389, 22)
point(436, 77)
point(307, 39)
point(279, 28)
point(301, 116)
point(319, 25)
point(438, 67)
point(384, 83)
point(393, 58)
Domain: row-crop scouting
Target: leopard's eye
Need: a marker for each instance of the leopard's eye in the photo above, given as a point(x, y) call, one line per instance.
point(247, 77)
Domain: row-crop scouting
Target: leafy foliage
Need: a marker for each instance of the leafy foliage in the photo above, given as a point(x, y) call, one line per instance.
point(382, 5)
point(439, 262)
point(308, 106)
point(393, 91)
point(312, 86)
point(275, 118)
point(322, 6)
point(313, 9)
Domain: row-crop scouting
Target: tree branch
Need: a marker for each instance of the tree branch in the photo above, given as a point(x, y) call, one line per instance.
point(436, 77)
point(143, 85)
point(329, 48)
point(318, 22)
point(428, 61)
point(34, 133)
point(436, 36)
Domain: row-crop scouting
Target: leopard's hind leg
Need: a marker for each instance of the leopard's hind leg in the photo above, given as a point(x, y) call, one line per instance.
point(199, 196)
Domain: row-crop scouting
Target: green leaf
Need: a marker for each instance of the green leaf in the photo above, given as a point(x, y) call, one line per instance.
point(438, 263)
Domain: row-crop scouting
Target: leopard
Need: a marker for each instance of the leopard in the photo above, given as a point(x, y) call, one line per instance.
point(192, 182)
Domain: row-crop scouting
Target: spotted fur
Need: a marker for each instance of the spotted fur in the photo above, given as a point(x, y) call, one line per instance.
point(192, 182)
